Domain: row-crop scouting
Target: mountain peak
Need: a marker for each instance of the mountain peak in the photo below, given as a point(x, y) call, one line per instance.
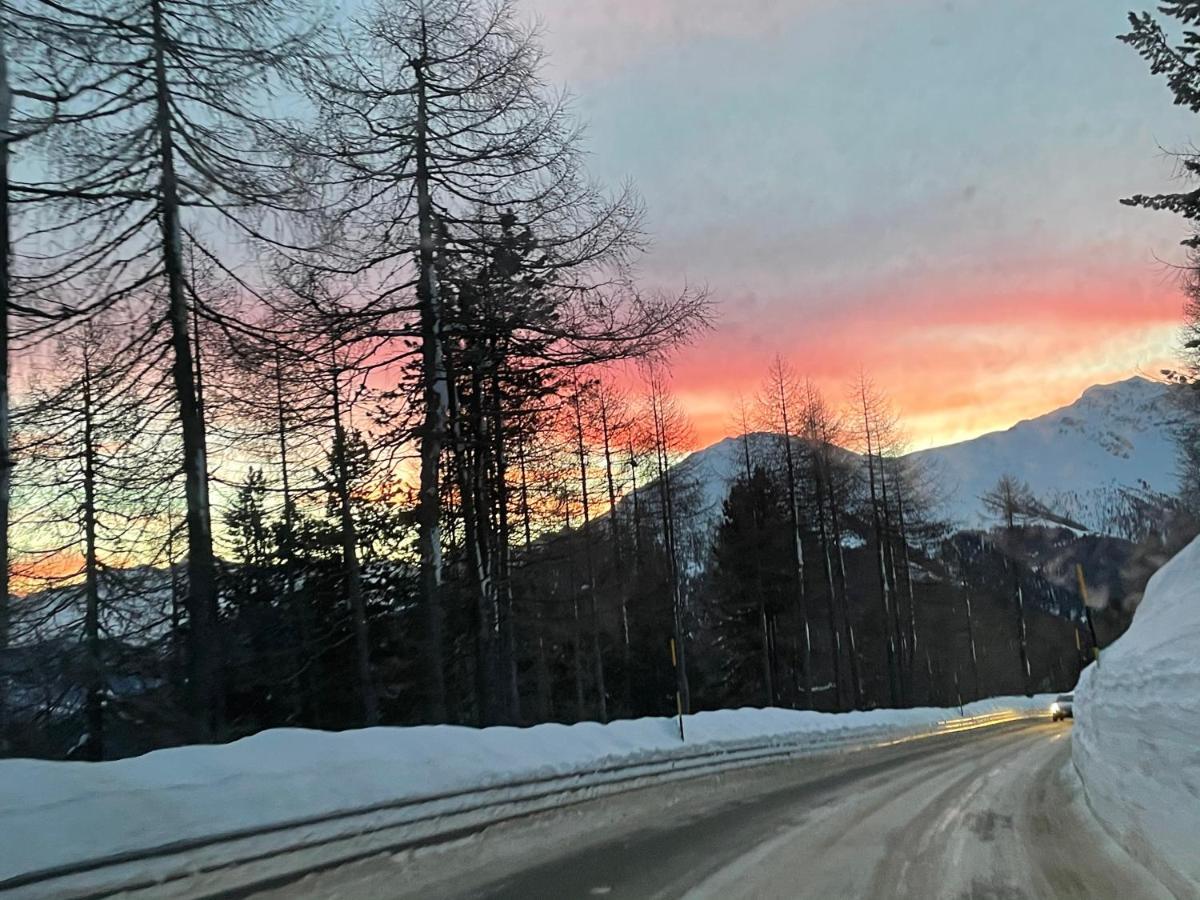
point(1137, 386)
point(1078, 459)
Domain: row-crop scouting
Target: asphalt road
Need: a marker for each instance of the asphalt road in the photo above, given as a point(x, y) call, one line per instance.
point(992, 814)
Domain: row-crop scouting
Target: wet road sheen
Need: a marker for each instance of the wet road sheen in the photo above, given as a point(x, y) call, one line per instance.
point(993, 815)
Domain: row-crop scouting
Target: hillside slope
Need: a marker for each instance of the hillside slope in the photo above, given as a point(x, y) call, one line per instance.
point(1084, 461)
point(1077, 459)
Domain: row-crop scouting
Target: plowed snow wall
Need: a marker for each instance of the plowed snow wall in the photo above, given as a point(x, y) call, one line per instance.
point(1136, 741)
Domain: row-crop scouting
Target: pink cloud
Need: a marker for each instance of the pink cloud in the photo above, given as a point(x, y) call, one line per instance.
point(959, 357)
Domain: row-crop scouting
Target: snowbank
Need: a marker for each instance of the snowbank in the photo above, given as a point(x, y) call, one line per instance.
point(1136, 741)
point(58, 814)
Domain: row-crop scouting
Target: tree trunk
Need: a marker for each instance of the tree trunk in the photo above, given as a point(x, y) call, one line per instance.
point(764, 638)
point(835, 642)
point(682, 684)
point(541, 672)
point(969, 618)
point(617, 554)
point(881, 568)
point(351, 571)
point(94, 746)
point(840, 570)
point(306, 680)
point(773, 651)
point(765, 642)
point(205, 675)
point(637, 510)
point(906, 564)
point(971, 641)
point(1026, 674)
point(177, 653)
point(6, 462)
point(1019, 598)
point(577, 626)
point(888, 538)
point(797, 551)
point(590, 574)
point(428, 515)
point(503, 553)
point(476, 556)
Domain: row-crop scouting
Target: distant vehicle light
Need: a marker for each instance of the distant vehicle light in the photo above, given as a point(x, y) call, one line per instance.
point(1063, 707)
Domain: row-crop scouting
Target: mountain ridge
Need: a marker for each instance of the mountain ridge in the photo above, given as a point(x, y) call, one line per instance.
point(1084, 460)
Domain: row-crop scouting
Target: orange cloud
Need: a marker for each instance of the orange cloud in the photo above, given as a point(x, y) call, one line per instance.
point(959, 358)
point(36, 572)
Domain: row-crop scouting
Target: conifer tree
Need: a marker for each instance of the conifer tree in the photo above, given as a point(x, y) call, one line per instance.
point(750, 556)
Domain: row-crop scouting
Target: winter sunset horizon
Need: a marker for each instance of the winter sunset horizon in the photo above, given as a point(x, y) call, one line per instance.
point(571, 448)
point(840, 179)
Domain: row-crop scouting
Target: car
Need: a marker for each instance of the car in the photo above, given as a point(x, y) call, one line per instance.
point(1063, 707)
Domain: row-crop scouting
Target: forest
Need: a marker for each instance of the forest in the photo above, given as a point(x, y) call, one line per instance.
point(333, 397)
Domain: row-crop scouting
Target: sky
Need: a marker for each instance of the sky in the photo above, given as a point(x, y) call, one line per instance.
point(924, 189)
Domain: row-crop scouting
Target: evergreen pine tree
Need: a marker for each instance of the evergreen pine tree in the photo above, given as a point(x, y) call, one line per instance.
point(751, 575)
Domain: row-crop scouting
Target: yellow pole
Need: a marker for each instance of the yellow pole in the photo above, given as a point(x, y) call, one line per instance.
point(1087, 611)
point(678, 696)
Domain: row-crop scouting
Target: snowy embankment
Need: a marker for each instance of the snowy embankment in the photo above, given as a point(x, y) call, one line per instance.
point(191, 808)
point(1136, 741)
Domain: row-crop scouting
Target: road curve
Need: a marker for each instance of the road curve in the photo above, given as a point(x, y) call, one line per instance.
point(992, 814)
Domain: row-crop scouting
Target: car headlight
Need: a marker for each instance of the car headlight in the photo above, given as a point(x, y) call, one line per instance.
point(1054, 707)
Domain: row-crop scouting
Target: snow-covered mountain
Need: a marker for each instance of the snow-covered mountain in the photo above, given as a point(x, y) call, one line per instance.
point(707, 474)
point(1084, 461)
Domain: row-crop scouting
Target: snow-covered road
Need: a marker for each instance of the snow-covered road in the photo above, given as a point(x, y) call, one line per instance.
point(994, 814)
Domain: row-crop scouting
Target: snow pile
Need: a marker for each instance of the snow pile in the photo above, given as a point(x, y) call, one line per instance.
point(62, 813)
point(1136, 742)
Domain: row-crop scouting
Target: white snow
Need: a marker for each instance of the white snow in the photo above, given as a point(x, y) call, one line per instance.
point(60, 813)
point(705, 477)
point(136, 610)
point(1136, 741)
point(712, 471)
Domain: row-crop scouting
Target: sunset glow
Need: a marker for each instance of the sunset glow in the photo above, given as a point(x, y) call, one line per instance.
point(927, 191)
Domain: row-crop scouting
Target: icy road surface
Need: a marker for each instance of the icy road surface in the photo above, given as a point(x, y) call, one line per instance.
point(993, 814)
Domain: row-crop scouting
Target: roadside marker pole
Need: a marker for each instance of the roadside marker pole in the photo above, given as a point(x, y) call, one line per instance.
point(1087, 611)
point(678, 696)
